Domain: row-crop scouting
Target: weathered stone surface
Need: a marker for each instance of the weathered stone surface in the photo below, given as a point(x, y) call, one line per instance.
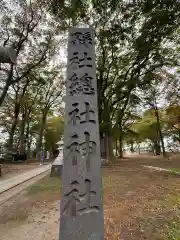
point(81, 195)
point(56, 169)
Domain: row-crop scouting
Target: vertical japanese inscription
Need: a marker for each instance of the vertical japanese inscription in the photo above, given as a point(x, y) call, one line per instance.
point(88, 149)
point(85, 150)
point(80, 60)
point(80, 85)
point(81, 38)
point(81, 192)
point(76, 117)
point(79, 204)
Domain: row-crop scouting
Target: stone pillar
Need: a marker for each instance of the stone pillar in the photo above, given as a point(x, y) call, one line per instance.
point(81, 195)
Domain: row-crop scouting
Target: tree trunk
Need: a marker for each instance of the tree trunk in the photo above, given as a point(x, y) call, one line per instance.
point(116, 147)
point(110, 148)
point(29, 146)
point(12, 131)
point(3, 94)
point(107, 147)
point(120, 147)
point(120, 138)
point(27, 140)
point(132, 147)
point(157, 147)
point(22, 136)
point(39, 143)
point(159, 129)
point(139, 150)
point(6, 87)
point(16, 109)
point(103, 146)
point(11, 134)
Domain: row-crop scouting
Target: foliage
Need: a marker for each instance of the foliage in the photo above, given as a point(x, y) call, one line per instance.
point(135, 55)
point(24, 30)
point(53, 132)
point(146, 127)
point(33, 88)
point(172, 118)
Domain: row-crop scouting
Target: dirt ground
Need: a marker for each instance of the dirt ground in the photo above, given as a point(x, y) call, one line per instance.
point(139, 204)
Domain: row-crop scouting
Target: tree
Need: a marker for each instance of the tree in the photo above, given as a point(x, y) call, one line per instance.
point(19, 94)
point(132, 45)
point(24, 30)
point(152, 94)
point(50, 96)
point(53, 132)
point(147, 128)
point(129, 39)
point(172, 120)
point(125, 116)
point(32, 33)
point(28, 112)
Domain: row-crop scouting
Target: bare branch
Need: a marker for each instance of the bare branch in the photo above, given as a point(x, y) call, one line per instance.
point(7, 39)
point(29, 29)
point(43, 57)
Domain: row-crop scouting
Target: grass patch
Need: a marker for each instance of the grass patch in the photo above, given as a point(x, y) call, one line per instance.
point(47, 184)
point(175, 170)
point(173, 229)
point(173, 200)
point(163, 228)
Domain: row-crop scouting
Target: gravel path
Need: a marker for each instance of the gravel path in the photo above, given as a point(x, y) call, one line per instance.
point(14, 181)
point(7, 195)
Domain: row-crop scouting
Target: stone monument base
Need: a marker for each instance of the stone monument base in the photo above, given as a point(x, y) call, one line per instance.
point(56, 170)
